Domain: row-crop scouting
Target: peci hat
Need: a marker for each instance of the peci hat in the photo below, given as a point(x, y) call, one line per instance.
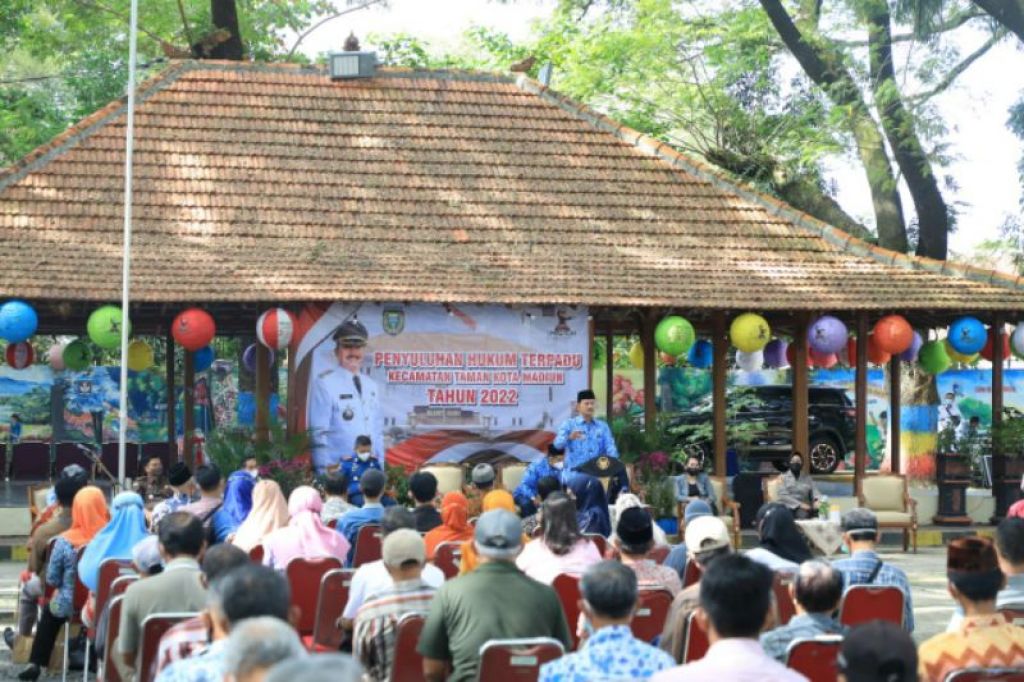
point(179, 474)
point(971, 554)
point(351, 333)
point(706, 534)
point(555, 451)
point(585, 394)
point(403, 545)
point(483, 474)
point(635, 527)
point(498, 534)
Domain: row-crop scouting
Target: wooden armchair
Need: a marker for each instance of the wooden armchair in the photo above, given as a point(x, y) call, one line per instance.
point(450, 477)
point(728, 509)
point(888, 495)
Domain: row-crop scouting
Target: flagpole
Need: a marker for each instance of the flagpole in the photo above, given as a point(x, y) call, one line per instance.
point(126, 254)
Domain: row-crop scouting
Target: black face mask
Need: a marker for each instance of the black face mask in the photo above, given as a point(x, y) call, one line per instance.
point(796, 468)
point(692, 471)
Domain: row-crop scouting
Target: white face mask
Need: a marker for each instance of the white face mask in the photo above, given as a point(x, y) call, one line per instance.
point(363, 456)
point(558, 465)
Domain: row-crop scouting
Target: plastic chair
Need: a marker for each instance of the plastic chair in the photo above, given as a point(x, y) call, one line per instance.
point(517, 660)
point(865, 603)
point(815, 658)
point(567, 587)
point(78, 599)
point(692, 573)
point(659, 554)
point(600, 541)
point(304, 576)
point(651, 612)
point(330, 604)
point(368, 545)
point(785, 609)
point(113, 629)
point(407, 664)
point(110, 571)
point(153, 628)
point(256, 554)
point(447, 557)
point(986, 675)
point(696, 644)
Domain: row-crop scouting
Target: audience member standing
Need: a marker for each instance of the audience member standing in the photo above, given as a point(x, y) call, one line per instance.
point(561, 547)
point(528, 489)
point(816, 591)
point(583, 437)
point(496, 499)
point(179, 478)
point(125, 529)
point(634, 538)
point(782, 547)
point(305, 536)
point(372, 486)
point(878, 651)
point(236, 507)
point(256, 645)
point(423, 488)
point(454, 523)
point(269, 512)
point(211, 492)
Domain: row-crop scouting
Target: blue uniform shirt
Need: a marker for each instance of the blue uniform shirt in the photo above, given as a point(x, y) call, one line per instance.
point(527, 488)
point(597, 440)
point(354, 469)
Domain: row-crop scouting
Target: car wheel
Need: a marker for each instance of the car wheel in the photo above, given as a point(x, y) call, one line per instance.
point(824, 455)
point(696, 450)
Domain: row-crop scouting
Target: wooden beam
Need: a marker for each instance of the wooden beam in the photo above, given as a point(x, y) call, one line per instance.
point(262, 392)
point(895, 412)
point(609, 374)
point(719, 369)
point(189, 408)
point(172, 425)
point(801, 381)
point(860, 390)
point(650, 371)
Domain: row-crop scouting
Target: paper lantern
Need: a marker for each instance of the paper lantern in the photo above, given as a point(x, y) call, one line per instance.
point(249, 358)
point(667, 359)
point(749, 362)
point(140, 356)
point(827, 335)
point(274, 329)
point(824, 360)
point(956, 356)
point(791, 355)
point(674, 335)
point(701, 354)
point(986, 352)
point(1017, 340)
point(56, 356)
point(18, 321)
point(775, 354)
point(203, 359)
point(20, 355)
point(77, 356)
point(876, 356)
point(636, 355)
point(750, 332)
point(893, 334)
point(193, 329)
point(104, 327)
point(967, 335)
point(910, 354)
point(933, 357)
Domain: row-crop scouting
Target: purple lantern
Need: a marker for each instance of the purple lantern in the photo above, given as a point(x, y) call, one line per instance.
point(827, 335)
point(775, 354)
point(249, 359)
point(910, 354)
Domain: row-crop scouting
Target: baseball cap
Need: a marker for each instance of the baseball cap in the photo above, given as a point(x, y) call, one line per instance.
point(146, 553)
point(403, 545)
point(860, 521)
point(498, 534)
point(483, 474)
point(706, 533)
point(878, 651)
point(695, 510)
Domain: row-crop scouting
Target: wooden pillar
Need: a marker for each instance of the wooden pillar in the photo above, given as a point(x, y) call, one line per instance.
point(262, 393)
point(293, 407)
point(650, 371)
point(609, 374)
point(895, 412)
point(719, 369)
point(860, 454)
point(172, 425)
point(189, 408)
point(801, 381)
point(999, 490)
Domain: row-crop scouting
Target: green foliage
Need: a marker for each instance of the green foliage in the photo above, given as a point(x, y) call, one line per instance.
point(1009, 436)
point(634, 442)
point(229, 448)
point(398, 484)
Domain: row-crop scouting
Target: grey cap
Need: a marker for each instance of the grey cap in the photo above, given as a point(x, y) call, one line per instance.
point(498, 534)
point(696, 509)
point(483, 474)
point(860, 520)
point(351, 333)
point(146, 553)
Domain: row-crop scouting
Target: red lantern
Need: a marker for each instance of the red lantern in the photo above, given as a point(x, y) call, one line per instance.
point(986, 352)
point(876, 356)
point(823, 360)
point(892, 334)
point(193, 329)
point(667, 359)
point(275, 327)
point(791, 356)
point(20, 355)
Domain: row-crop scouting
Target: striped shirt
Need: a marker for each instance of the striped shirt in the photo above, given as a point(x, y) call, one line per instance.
point(375, 626)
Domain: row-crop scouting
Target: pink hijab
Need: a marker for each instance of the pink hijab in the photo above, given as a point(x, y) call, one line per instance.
point(306, 536)
point(269, 512)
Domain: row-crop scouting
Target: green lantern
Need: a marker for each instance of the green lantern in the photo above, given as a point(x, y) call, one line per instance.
point(933, 357)
point(77, 356)
point(104, 327)
point(674, 335)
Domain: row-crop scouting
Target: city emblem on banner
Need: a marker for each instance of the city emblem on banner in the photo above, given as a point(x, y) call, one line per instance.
point(393, 321)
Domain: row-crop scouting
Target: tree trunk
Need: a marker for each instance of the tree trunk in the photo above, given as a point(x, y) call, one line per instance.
point(826, 70)
point(225, 16)
point(898, 124)
point(1009, 13)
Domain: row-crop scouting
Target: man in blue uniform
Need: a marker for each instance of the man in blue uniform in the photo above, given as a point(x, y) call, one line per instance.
point(355, 466)
point(582, 437)
point(552, 465)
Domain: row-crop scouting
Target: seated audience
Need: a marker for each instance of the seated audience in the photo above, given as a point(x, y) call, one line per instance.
point(781, 547)
point(694, 485)
point(735, 603)
point(454, 523)
point(372, 486)
point(495, 601)
point(88, 515)
point(864, 566)
point(269, 512)
point(797, 491)
point(481, 482)
point(610, 652)
point(148, 562)
point(634, 538)
point(630, 501)
point(676, 559)
point(707, 539)
point(561, 547)
point(305, 536)
point(423, 488)
point(211, 491)
point(236, 507)
point(591, 505)
point(251, 465)
point(374, 577)
point(336, 504)
point(816, 591)
point(319, 668)
point(256, 645)
point(193, 635)
point(528, 490)
point(545, 486)
point(177, 589)
point(125, 529)
point(179, 478)
point(404, 556)
point(878, 651)
point(496, 499)
point(985, 639)
point(1009, 540)
point(248, 591)
point(52, 504)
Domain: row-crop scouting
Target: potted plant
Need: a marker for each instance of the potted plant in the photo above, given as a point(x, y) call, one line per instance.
point(278, 455)
point(1008, 470)
point(953, 476)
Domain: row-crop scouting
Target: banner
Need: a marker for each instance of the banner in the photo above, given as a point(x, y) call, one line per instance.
point(439, 383)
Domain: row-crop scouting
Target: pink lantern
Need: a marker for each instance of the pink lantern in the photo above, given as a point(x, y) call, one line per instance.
point(56, 356)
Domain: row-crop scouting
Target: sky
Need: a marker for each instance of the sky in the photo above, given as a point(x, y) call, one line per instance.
point(985, 152)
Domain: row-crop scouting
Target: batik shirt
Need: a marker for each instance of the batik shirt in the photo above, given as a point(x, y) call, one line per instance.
point(207, 666)
point(376, 625)
point(610, 654)
point(61, 573)
point(857, 569)
point(168, 506)
point(597, 440)
point(981, 642)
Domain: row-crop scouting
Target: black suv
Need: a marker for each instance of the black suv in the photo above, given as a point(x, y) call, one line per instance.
point(769, 409)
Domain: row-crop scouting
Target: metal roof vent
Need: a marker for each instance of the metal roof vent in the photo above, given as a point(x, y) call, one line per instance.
point(352, 63)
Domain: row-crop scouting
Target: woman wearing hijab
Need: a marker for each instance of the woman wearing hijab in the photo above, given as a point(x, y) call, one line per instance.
point(454, 523)
point(115, 541)
point(269, 512)
point(496, 499)
point(88, 515)
point(305, 536)
point(562, 547)
point(236, 507)
point(782, 547)
point(629, 501)
point(591, 505)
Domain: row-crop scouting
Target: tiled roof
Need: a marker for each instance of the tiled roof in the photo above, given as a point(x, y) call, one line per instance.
point(272, 183)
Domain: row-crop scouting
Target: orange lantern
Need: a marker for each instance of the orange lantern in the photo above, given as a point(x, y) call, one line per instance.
point(892, 334)
point(876, 356)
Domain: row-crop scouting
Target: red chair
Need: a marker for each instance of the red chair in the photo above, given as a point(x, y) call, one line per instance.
point(600, 541)
point(517, 660)
point(330, 603)
point(568, 589)
point(113, 629)
point(692, 573)
point(865, 603)
point(986, 675)
point(115, 588)
point(448, 557)
point(785, 609)
point(110, 570)
point(651, 612)
point(658, 554)
point(815, 658)
point(407, 665)
point(256, 554)
point(368, 544)
point(304, 576)
point(696, 644)
point(153, 628)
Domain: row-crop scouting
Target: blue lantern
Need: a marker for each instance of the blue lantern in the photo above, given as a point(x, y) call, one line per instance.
point(701, 354)
point(18, 321)
point(203, 358)
point(967, 335)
